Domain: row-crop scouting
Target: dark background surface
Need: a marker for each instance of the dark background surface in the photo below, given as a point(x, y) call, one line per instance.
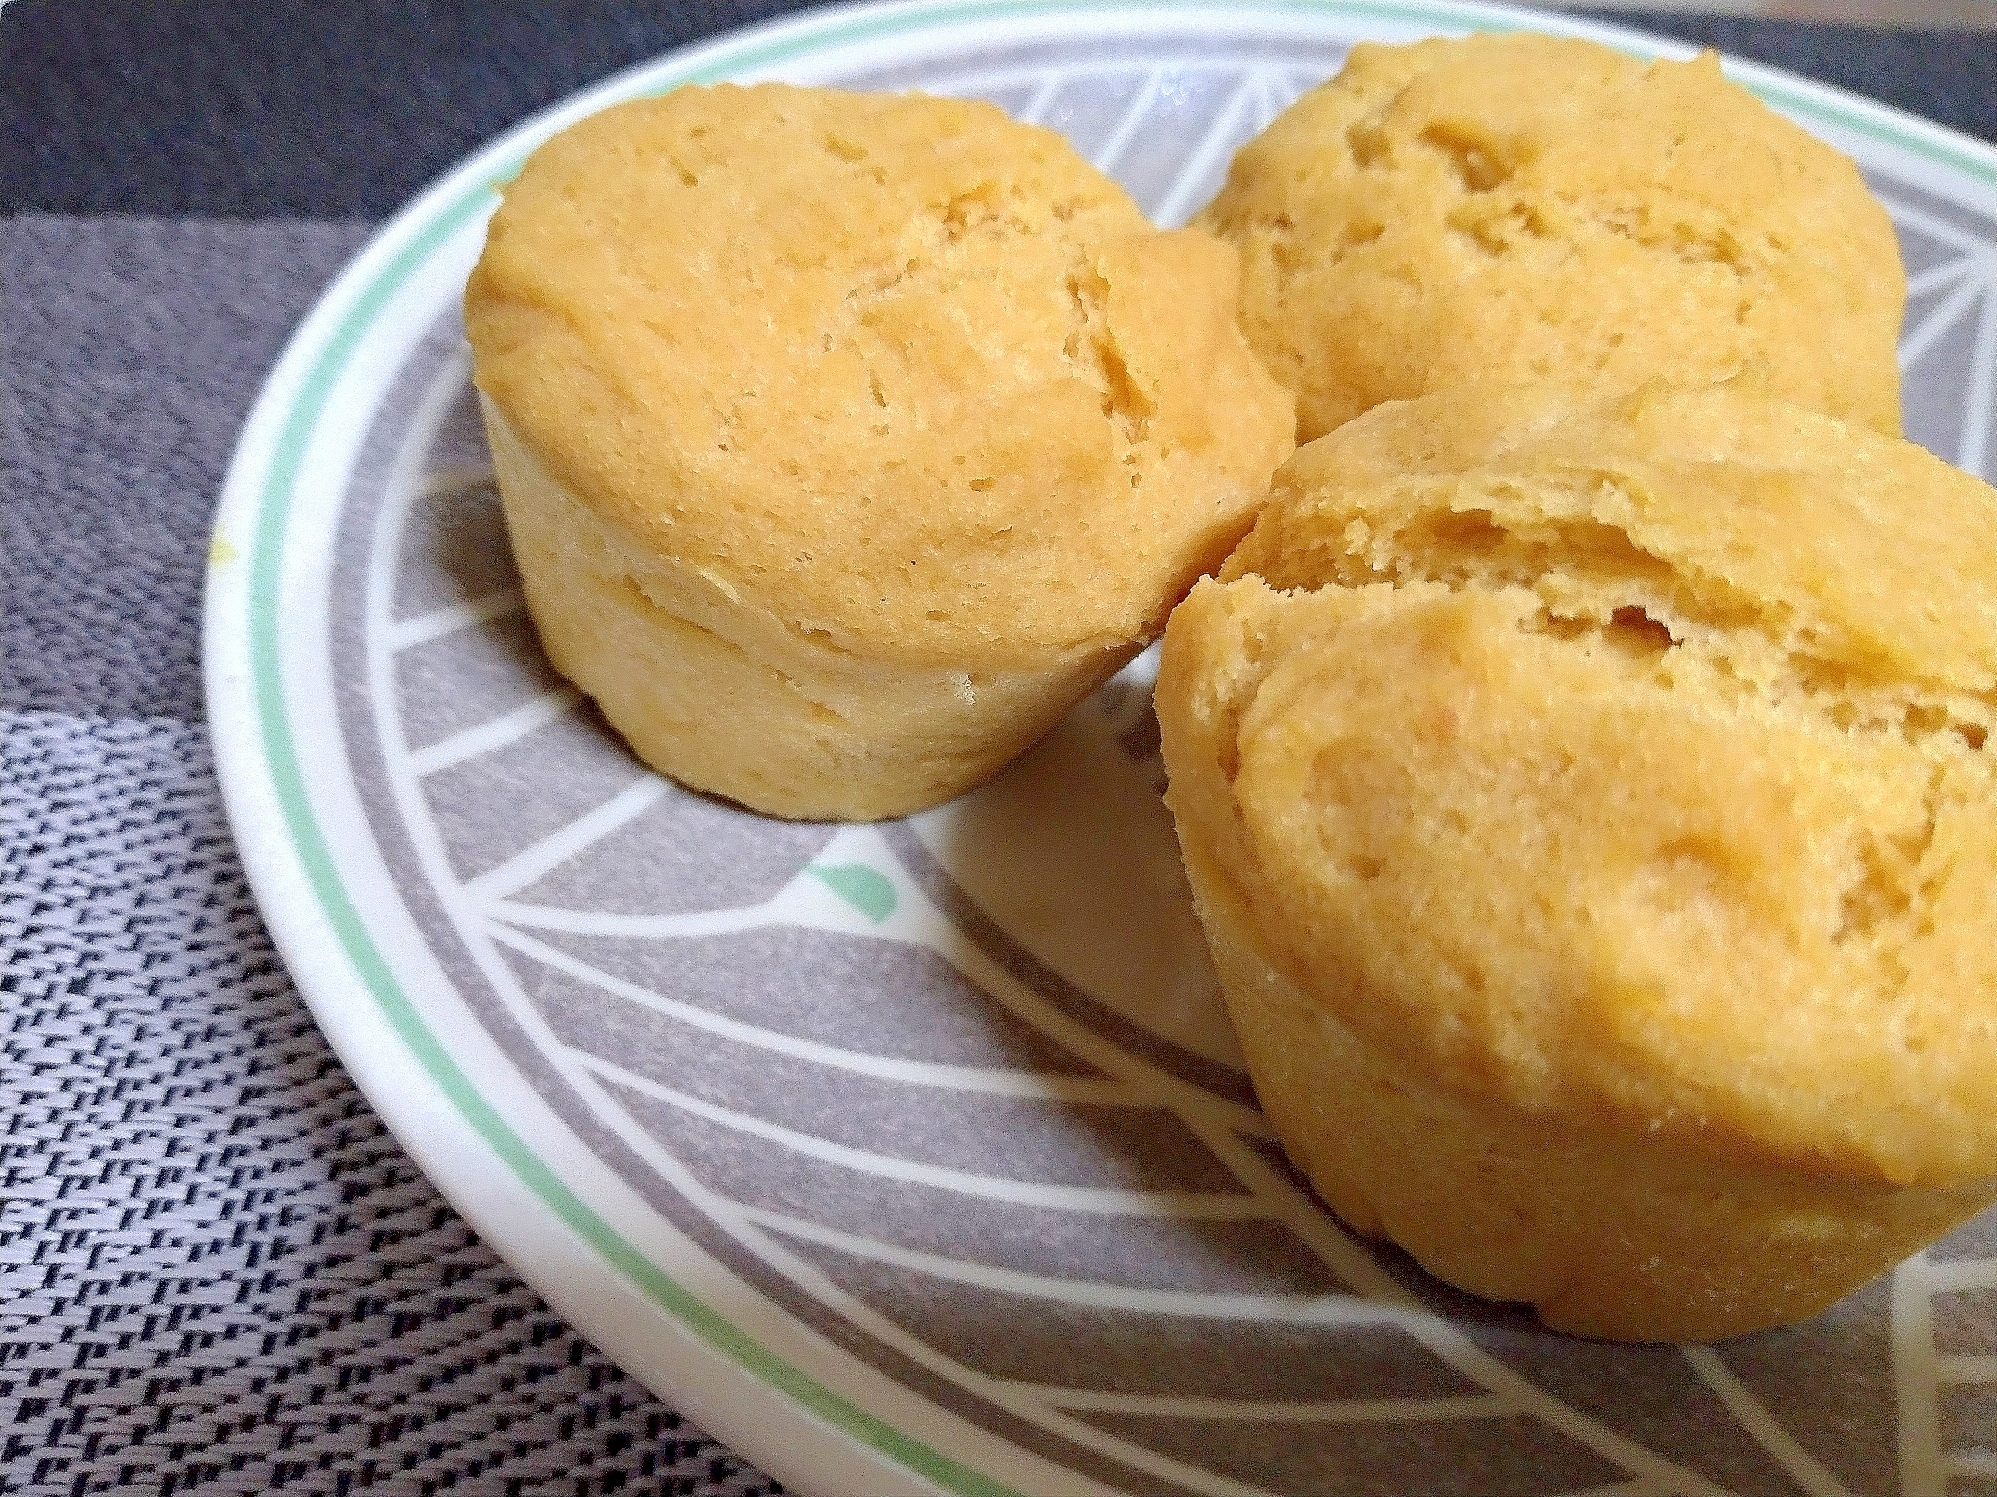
point(346, 109)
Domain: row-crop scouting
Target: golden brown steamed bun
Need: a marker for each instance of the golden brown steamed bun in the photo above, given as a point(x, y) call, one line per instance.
point(1519, 209)
point(845, 441)
point(1593, 819)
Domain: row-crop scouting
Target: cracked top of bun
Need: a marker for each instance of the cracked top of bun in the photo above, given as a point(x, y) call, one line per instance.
point(1519, 208)
point(911, 374)
point(1629, 760)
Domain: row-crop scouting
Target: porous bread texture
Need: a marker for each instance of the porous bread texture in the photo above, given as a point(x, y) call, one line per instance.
point(736, 700)
point(1593, 818)
point(891, 412)
point(1519, 209)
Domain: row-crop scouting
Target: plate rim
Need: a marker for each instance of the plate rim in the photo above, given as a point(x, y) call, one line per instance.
point(417, 1087)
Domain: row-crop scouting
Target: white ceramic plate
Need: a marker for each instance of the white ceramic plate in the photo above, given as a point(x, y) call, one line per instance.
point(916, 1156)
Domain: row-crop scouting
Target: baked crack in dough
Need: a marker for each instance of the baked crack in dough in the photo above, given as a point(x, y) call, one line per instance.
point(1523, 209)
point(1592, 815)
point(846, 441)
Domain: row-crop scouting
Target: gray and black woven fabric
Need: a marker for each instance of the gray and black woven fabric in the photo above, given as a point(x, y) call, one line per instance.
point(218, 1272)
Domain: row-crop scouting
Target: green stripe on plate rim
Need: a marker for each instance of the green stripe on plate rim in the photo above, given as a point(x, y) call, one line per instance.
point(310, 844)
point(401, 1013)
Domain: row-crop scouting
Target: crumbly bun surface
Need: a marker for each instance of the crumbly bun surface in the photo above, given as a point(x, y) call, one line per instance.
point(1521, 208)
point(909, 371)
point(1607, 792)
point(892, 400)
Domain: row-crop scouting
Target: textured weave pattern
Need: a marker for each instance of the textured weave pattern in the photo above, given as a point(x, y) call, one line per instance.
point(132, 350)
point(218, 1272)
